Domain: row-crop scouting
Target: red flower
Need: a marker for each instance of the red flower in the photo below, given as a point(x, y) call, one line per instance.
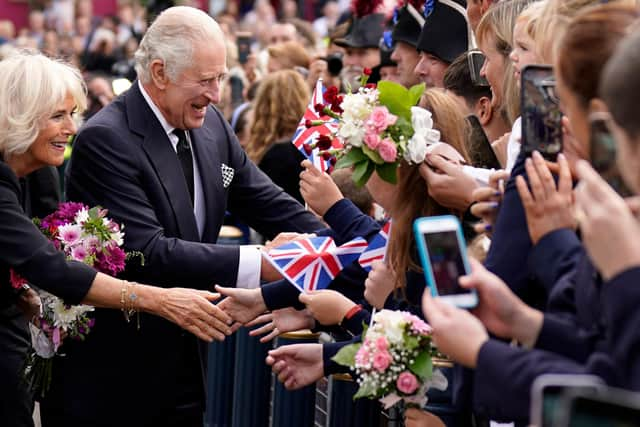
point(326, 155)
point(366, 71)
point(307, 149)
point(319, 108)
point(370, 86)
point(324, 142)
point(330, 95)
point(333, 160)
point(16, 280)
point(308, 123)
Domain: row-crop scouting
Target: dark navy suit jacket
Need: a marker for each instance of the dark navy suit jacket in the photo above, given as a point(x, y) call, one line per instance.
point(123, 161)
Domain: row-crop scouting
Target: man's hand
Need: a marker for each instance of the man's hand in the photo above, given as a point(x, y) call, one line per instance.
point(379, 284)
point(447, 183)
point(283, 238)
point(500, 148)
point(268, 272)
point(318, 189)
point(499, 309)
point(297, 365)
point(488, 201)
point(326, 306)
point(279, 322)
point(547, 208)
point(609, 229)
point(29, 302)
point(242, 305)
point(414, 417)
point(456, 333)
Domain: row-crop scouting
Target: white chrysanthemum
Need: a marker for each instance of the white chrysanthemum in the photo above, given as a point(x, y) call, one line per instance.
point(356, 106)
point(64, 316)
point(118, 237)
point(352, 133)
point(82, 216)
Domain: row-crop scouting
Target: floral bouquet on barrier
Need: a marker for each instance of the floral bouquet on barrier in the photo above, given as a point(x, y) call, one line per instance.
point(84, 235)
point(393, 362)
point(379, 126)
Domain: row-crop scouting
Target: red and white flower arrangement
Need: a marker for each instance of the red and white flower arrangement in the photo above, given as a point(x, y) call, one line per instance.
point(394, 360)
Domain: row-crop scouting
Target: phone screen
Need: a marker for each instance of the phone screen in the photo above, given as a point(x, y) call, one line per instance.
point(476, 60)
point(603, 155)
point(587, 412)
point(550, 399)
point(540, 111)
point(446, 261)
point(244, 48)
point(481, 153)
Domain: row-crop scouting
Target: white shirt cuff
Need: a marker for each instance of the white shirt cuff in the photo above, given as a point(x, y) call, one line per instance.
point(249, 267)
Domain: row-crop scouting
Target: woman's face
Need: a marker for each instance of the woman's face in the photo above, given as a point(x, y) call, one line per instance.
point(48, 148)
point(493, 69)
point(627, 157)
point(575, 148)
point(523, 52)
point(383, 193)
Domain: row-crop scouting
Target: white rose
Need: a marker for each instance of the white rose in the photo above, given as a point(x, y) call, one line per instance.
point(421, 118)
point(352, 133)
point(416, 149)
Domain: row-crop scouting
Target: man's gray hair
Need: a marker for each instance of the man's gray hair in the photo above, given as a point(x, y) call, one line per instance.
point(171, 39)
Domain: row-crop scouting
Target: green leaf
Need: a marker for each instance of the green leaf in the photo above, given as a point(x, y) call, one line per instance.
point(347, 354)
point(415, 93)
point(362, 172)
point(396, 98)
point(422, 366)
point(355, 155)
point(388, 172)
point(365, 391)
point(373, 155)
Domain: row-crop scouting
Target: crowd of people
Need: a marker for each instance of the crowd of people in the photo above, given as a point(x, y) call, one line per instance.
point(182, 122)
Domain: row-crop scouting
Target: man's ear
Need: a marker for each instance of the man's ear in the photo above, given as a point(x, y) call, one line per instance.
point(159, 74)
point(484, 110)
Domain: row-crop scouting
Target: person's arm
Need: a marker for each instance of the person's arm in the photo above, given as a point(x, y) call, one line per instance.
point(555, 255)
point(348, 222)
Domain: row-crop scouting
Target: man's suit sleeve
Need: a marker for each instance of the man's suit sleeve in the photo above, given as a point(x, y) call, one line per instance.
point(105, 170)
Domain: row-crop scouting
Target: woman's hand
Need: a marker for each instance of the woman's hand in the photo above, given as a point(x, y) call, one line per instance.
point(487, 201)
point(318, 189)
point(193, 310)
point(499, 309)
point(242, 305)
point(610, 232)
point(456, 333)
point(326, 306)
point(379, 284)
point(447, 183)
point(297, 365)
point(279, 322)
point(500, 148)
point(548, 208)
point(29, 302)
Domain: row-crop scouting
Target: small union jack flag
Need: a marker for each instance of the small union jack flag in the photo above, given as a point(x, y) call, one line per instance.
point(308, 136)
point(311, 264)
point(377, 249)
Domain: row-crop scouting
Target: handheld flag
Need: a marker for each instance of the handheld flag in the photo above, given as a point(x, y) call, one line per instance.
point(311, 264)
point(377, 249)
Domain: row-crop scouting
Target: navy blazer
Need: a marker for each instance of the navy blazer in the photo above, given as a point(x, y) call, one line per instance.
point(123, 161)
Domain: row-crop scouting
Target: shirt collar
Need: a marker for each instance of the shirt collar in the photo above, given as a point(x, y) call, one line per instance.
point(163, 122)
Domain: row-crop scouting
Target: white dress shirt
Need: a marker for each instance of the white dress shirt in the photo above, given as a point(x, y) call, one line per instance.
point(250, 257)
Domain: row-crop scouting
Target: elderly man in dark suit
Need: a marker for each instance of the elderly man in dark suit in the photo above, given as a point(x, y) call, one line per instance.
point(166, 164)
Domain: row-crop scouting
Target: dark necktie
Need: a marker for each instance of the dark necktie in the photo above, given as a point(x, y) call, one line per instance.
point(186, 161)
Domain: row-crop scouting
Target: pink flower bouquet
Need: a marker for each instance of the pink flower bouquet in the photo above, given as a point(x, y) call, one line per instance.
point(84, 235)
point(393, 362)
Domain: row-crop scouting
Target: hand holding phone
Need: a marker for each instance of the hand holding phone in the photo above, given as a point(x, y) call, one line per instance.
point(443, 255)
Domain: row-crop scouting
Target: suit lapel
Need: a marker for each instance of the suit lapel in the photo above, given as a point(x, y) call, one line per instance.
point(158, 148)
point(208, 158)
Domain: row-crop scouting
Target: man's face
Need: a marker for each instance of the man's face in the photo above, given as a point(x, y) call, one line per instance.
point(431, 69)
point(281, 33)
point(184, 102)
point(407, 57)
point(356, 60)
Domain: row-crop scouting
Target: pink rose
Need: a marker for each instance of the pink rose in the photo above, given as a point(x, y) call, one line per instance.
point(407, 383)
point(381, 361)
point(382, 344)
point(387, 150)
point(380, 119)
point(372, 140)
point(362, 356)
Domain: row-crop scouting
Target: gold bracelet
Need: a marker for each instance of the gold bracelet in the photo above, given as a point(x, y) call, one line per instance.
point(123, 300)
point(133, 303)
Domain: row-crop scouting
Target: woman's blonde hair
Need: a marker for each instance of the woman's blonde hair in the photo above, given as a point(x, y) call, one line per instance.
point(413, 200)
point(32, 87)
point(290, 54)
point(281, 101)
point(497, 25)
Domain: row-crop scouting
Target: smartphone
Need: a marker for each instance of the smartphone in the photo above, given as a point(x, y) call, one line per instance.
point(443, 255)
point(475, 60)
point(480, 150)
point(243, 41)
point(540, 112)
point(602, 152)
point(547, 391)
point(608, 407)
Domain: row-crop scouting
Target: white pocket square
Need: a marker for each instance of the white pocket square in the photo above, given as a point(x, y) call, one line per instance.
point(227, 175)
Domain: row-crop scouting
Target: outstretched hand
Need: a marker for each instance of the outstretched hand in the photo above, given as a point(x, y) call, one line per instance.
point(279, 322)
point(297, 365)
point(242, 305)
point(447, 183)
point(326, 306)
point(379, 284)
point(487, 201)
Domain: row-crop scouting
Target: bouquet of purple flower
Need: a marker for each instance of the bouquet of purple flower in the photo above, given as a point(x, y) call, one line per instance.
point(393, 362)
point(84, 235)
